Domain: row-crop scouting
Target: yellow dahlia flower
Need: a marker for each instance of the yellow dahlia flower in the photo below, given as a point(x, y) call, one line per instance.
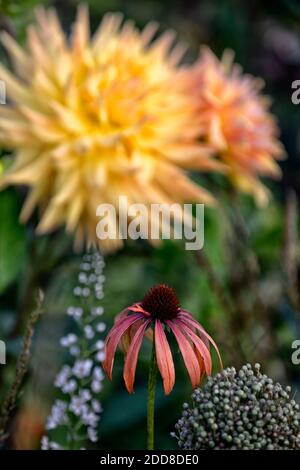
point(98, 117)
point(235, 121)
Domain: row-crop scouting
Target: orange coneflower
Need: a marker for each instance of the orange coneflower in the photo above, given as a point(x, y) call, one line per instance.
point(160, 311)
point(236, 122)
point(95, 118)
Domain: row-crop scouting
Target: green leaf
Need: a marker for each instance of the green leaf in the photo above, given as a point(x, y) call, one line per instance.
point(12, 239)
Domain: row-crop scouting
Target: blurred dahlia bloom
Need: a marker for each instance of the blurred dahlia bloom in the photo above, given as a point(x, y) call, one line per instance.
point(98, 117)
point(235, 121)
point(157, 313)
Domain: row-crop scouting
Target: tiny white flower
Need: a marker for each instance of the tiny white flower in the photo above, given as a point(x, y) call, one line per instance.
point(64, 342)
point(70, 386)
point(74, 351)
point(54, 446)
point(92, 434)
point(75, 312)
point(78, 313)
point(92, 278)
point(97, 311)
point(63, 376)
point(100, 327)
point(99, 269)
point(69, 340)
point(96, 386)
point(90, 419)
point(71, 311)
point(78, 406)
point(82, 278)
point(57, 416)
point(99, 344)
point(86, 292)
point(89, 332)
point(85, 394)
point(77, 291)
point(85, 266)
point(96, 405)
point(100, 356)
point(82, 368)
point(50, 424)
point(45, 443)
point(98, 373)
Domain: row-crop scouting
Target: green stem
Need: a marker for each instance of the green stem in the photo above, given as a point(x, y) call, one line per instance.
point(151, 399)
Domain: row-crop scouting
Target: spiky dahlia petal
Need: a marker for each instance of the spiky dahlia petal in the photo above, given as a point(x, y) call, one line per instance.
point(236, 121)
point(97, 118)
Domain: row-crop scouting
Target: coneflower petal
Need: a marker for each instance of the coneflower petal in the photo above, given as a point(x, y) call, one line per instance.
point(199, 345)
point(132, 355)
point(200, 362)
point(113, 339)
point(188, 319)
point(126, 339)
point(122, 315)
point(164, 358)
point(138, 309)
point(188, 354)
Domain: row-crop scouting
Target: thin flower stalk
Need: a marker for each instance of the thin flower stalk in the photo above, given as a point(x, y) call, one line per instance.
point(78, 410)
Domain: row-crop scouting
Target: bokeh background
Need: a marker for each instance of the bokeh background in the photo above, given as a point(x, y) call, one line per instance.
point(253, 253)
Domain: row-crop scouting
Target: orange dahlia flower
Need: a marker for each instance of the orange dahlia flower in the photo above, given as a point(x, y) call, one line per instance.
point(160, 311)
point(235, 121)
point(98, 117)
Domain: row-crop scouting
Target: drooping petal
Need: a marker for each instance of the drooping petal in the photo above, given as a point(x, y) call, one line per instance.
point(188, 354)
point(129, 334)
point(113, 339)
point(188, 319)
point(200, 362)
point(138, 309)
point(127, 337)
point(199, 345)
point(132, 355)
point(164, 358)
point(123, 314)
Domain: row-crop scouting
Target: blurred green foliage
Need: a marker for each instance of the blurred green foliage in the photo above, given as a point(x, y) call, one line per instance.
point(12, 239)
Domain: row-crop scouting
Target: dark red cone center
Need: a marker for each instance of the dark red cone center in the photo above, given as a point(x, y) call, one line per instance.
point(161, 301)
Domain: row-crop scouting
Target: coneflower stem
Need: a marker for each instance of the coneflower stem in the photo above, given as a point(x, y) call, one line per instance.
point(151, 399)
